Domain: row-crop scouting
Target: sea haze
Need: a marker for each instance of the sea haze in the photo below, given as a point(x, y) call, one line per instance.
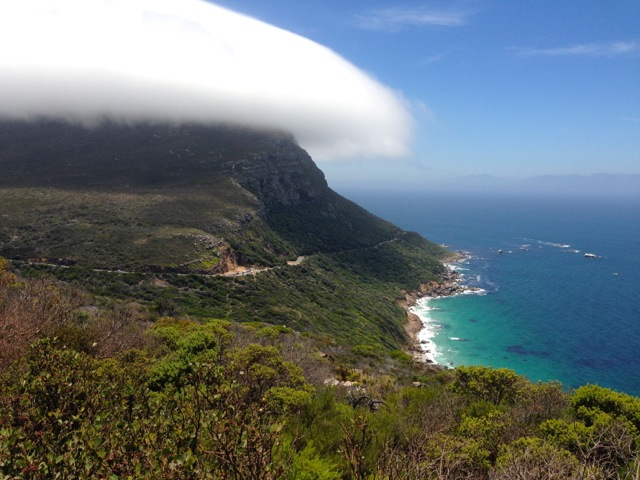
point(547, 312)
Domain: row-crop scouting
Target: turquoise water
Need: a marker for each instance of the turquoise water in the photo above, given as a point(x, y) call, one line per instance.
point(546, 311)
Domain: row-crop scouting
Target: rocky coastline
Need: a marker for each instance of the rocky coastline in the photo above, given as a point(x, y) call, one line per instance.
point(448, 285)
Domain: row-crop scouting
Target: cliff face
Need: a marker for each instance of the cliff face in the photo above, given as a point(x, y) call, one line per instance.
point(269, 164)
point(285, 176)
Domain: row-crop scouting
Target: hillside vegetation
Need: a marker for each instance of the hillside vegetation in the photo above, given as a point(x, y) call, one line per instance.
point(90, 389)
point(158, 214)
point(194, 302)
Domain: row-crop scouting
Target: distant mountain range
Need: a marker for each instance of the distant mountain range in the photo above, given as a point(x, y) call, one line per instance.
point(596, 184)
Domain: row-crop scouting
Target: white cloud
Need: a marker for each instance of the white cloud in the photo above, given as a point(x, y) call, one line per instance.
point(610, 49)
point(188, 60)
point(395, 19)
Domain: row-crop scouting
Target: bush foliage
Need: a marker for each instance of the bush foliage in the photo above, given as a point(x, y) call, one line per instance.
point(100, 392)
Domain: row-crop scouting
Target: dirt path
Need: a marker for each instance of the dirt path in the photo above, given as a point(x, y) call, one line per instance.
point(297, 261)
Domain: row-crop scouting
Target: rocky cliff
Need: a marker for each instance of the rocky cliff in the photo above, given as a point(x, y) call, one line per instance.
point(51, 153)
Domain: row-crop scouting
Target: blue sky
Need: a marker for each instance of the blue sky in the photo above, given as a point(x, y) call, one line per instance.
point(504, 88)
point(380, 93)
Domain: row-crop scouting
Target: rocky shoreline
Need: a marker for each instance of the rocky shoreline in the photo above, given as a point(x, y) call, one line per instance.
point(449, 285)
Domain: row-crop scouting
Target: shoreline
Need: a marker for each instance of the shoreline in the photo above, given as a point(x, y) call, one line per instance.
point(422, 349)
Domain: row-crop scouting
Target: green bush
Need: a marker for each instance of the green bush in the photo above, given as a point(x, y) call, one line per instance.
point(488, 384)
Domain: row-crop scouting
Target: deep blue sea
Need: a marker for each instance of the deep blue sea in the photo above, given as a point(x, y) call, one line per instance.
point(546, 311)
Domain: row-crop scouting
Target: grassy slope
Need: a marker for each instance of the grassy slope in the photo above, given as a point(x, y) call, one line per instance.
point(130, 230)
point(104, 394)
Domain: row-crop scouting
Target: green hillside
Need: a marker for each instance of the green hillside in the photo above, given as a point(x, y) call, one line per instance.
point(194, 302)
point(94, 391)
point(160, 213)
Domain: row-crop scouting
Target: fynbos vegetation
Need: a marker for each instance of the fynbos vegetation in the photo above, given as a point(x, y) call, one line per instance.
point(228, 316)
point(93, 390)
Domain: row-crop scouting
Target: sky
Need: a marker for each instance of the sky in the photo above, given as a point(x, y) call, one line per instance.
point(401, 93)
point(496, 87)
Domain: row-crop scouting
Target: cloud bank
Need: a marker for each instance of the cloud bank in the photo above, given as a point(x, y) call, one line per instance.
point(190, 61)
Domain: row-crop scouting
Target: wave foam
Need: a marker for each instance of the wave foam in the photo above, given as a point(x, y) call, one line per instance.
point(426, 337)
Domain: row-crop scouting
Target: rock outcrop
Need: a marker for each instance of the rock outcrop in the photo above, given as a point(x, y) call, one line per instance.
point(269, 164)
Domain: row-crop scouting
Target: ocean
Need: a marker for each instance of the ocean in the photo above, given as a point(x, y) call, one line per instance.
point(544, 309)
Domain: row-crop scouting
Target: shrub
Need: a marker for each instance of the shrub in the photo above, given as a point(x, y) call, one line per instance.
point(488, 384)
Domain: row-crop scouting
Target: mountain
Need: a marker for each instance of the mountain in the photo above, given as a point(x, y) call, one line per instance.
point(160, 212)
point(143, 185)
point(596, 184)
point(601, 184)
